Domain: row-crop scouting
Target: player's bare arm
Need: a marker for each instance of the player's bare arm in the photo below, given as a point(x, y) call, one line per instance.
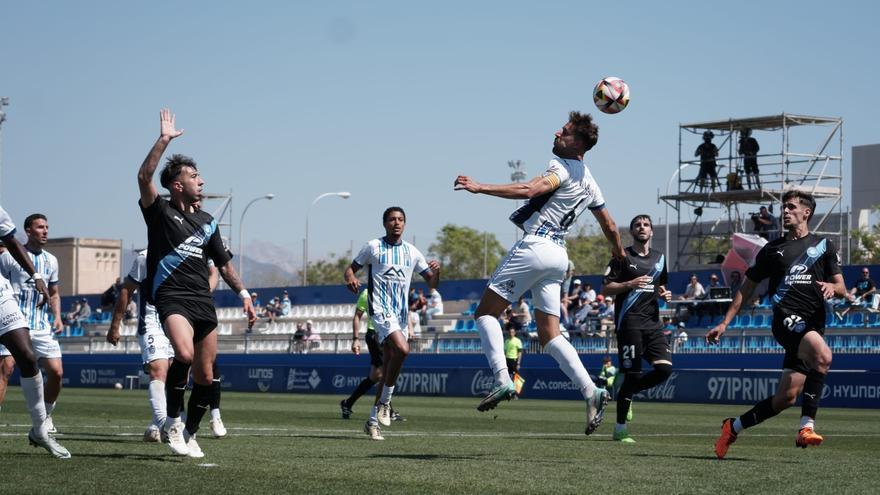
point(835, 288)
point(609, 228)
point(167, 132)
point(16, 250)
point(351, 280)
point(433, 274)
point(55, 305)
point(614, 288)
point(744, 294)
point(213, 277)
point(355, 330)
point(665, 293)
point(514, 190)
point(128, 288)
point(232, 279)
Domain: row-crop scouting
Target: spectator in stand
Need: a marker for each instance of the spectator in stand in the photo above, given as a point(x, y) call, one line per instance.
point(420, 305)
point(299, 337)
point(680, 339)
point(567, 281)
point(257, 305)
point(694, 290)
point(861, 293)
point(606, 315)
point(589, 293)
point(285, 304)
point(574, 299)
point(765, 224)
point(84, 313)
point(435, 305)
point(272, 310)
point(70, 316)
point(521, 316)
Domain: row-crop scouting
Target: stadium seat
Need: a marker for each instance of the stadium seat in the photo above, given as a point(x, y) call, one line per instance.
point(745, 321)
point(471, 326)
point(758, 320)
point(471, 310)
point(459, 326)
point(858, 320)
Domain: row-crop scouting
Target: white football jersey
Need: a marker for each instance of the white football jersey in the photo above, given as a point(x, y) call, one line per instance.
point(390, 270)
point(552, 214)
point(6, 228)
point(24, 288)
point(146, 311)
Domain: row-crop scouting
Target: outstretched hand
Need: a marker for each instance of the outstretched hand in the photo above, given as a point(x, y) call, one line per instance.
point(466, 183)
point(714, 336)
point(166, 124)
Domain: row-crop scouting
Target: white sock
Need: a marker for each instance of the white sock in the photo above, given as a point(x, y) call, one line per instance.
point(374, 414)
point(215, 414)
point(737, 426)
point(492, 339)
point(33, 394)
point(808, 421)
point(387, 392)
point(50, 407)
point(570, 364)
point(156, 393)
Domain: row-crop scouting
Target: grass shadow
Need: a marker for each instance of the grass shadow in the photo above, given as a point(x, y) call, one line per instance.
point(428, 457)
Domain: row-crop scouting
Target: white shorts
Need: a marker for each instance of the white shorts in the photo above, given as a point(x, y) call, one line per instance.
point(535, 263)
point(386, 324)
point(11, 317)
point(154, 344)
point(44, 344)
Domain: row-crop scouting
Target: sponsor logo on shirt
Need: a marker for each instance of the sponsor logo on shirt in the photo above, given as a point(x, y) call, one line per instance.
point(797, 274)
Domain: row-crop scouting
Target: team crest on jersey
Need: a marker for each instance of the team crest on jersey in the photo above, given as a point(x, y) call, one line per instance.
point(507, 286)
point(812, 252)
point(394, 272)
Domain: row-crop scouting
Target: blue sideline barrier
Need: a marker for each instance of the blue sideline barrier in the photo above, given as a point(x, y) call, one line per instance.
point(728, 379)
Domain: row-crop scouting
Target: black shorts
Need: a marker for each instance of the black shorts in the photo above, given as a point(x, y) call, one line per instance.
point(375, 348)
point(635, 345)
point(201, 315)
point(512, 366)
point(789, 329)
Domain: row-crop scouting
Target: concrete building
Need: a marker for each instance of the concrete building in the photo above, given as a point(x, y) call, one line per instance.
point(86, 266)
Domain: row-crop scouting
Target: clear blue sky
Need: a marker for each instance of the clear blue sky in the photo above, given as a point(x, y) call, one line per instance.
point(391, 100)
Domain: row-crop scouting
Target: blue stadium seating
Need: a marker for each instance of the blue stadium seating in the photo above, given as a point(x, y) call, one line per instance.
point(459, 326)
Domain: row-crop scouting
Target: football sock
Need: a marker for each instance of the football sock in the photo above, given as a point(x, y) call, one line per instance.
point(570, 364)
point(492, 340)
point(387, 392)
point(156, 394)
point(631, 382)
point(215, 388)
point(762, 411)
point(374, 414)
point(215, 414)
point(737, 425)
point(364, 387)
point(654, 377)
point(812, 393)
point(175, 387)
point(50, 407)
point(32, 388)
point(807, 421)
point(199, 403)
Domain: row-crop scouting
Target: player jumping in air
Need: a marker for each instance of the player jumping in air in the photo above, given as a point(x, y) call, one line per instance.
point(539, 260)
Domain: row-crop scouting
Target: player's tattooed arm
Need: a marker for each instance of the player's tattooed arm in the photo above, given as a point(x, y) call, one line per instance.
point(744, 294)
point(514, 190)
point(227, 271)
point(167, 132)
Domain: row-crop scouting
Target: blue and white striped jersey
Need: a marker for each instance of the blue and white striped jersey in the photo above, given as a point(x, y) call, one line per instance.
point(391, 268)
point(146, 311)
point(552, 214)
point(24, 288)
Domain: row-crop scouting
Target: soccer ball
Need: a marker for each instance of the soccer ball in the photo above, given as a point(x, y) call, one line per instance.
point(117, 386)
point(611, 95)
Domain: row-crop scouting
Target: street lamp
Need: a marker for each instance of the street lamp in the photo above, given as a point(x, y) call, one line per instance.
point(343, 195)
point(241, 233)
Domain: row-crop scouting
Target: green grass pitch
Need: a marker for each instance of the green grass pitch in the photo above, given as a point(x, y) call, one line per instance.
point(282, 443)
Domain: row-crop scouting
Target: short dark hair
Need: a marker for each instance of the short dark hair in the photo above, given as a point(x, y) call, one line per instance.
point(33, 216)
point(805, 199)
point(640, 217)
point(390, 210)
point(583, 127)
point(173, 166)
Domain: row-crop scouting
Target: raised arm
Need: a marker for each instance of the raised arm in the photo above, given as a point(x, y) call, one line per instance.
point(744, 294)
point(167, 132)
point(227, 271)
point(609, 228)
point(514, 190)
point(128, 288)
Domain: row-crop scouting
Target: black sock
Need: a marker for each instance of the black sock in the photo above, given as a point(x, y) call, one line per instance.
point(812, 393)
point(624, 396)
point(655, 377)
point(364, 387)
point(762, 411)
point(199, 403)
point(175, 386)
point(215, 388)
